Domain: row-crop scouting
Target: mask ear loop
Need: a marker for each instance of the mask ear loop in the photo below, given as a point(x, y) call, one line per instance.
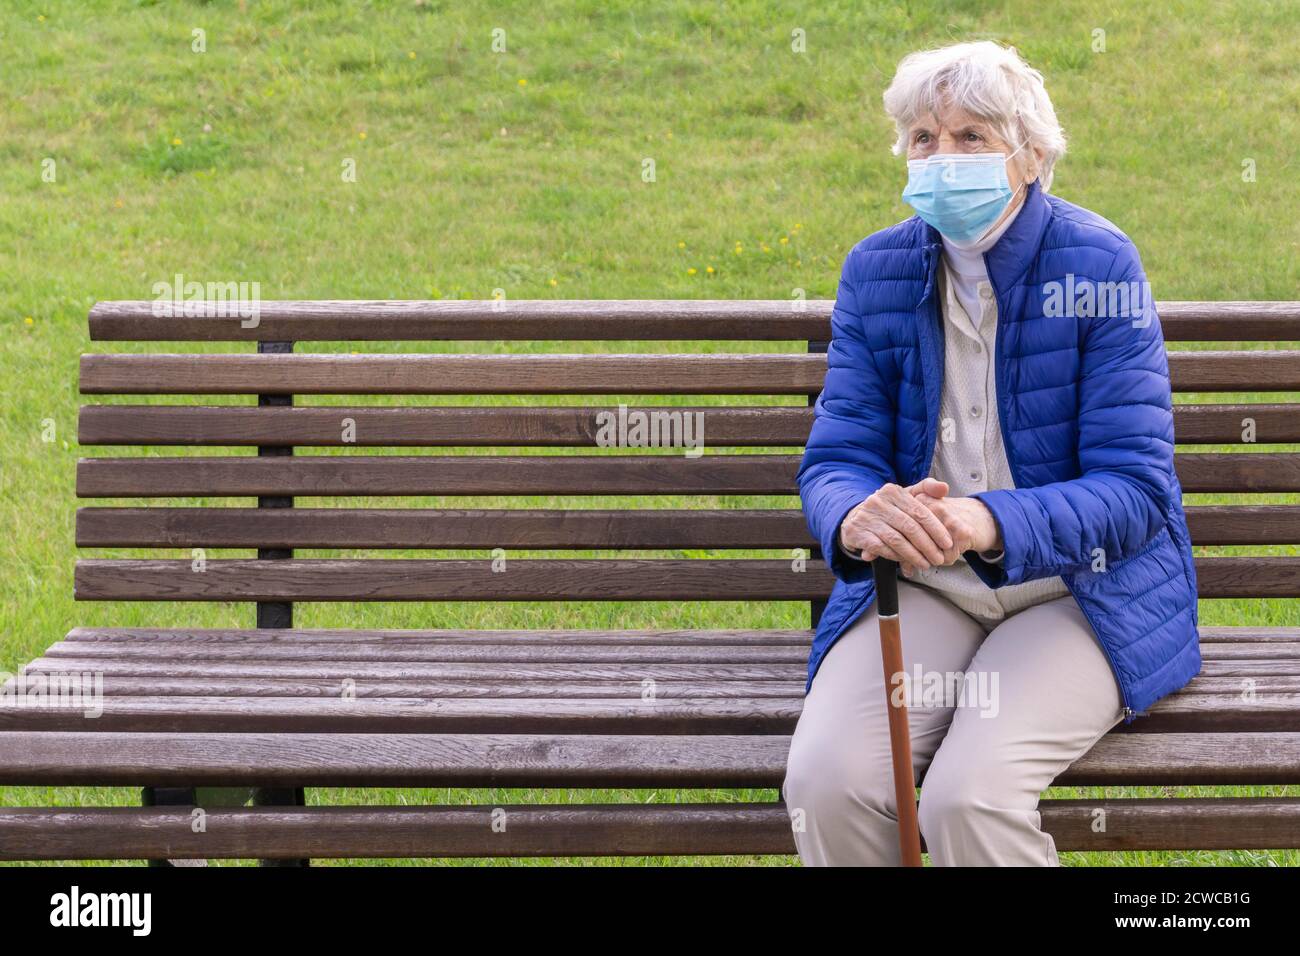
point(1013, 195)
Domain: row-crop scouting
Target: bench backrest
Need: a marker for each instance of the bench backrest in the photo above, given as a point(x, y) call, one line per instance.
point(753, 398)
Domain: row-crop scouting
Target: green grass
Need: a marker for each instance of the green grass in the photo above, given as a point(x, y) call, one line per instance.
point(521, 171)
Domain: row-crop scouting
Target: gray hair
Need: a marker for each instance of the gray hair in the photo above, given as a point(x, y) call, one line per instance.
point(986, 80)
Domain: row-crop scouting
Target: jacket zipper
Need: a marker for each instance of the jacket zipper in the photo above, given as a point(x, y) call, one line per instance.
point(1129, 712)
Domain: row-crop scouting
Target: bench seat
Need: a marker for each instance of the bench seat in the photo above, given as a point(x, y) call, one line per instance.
point(701, 682)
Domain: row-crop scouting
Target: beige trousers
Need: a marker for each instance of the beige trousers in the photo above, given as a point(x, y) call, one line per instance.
point(995, 716)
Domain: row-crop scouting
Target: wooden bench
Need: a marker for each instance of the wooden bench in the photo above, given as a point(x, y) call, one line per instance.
point(265, 712)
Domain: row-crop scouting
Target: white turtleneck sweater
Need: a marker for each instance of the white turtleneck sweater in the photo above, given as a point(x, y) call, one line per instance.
point(965, 265)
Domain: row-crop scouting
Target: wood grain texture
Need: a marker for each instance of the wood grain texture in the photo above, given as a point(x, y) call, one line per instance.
point(438, 475)
point(452, 580)
point(504, 652)
point(688, 373)
point(125, 685)
point(625, 319)
point(392, 528)
point(401, 715)
point(1230, 424)
point(1235, 371)
point(1210, 634)
point(636, 710)
point(583, 374)
point(581, 426)
point(517, 672)
point(663, 579)
point(45, 758)
point(381, 475)
point(706, 829)
point(515, 637)
point(340, 426)
point(445, 528)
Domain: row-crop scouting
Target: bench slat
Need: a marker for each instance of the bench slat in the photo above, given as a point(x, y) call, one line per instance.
point(44, 758)
point(440, 474)
point(456, 580)
point(515, 637)
point(681, 829)
point(448, 651)
point(717, 426)
point(1178, 713)
point(1224, 424)
point(461, 671)
point(433, 528)
point(1236, 371)
point(237, 686)
point(1241, 670)
point(454, 528)
point(415, 651)
point(719, 373)
point(1219, 634)
point(115, 685)
point(667, 579)
point(671, 474)
point(401, 715)
point(646, 319)
point(635, 374)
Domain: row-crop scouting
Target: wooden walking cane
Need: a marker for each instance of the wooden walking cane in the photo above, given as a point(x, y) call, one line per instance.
point(900, 740)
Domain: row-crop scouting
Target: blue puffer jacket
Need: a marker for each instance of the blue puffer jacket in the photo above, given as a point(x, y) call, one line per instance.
point(1086, 422)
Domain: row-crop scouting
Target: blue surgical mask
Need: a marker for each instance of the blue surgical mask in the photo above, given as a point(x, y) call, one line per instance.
point(960, 194)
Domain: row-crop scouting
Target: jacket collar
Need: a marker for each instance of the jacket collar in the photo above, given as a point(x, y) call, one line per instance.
point(1012, 255)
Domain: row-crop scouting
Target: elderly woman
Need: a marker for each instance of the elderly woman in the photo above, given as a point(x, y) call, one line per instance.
point(996, 418)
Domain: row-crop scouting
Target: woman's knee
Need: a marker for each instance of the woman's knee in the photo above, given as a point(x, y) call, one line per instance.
point(824, 778)
point(957, 798)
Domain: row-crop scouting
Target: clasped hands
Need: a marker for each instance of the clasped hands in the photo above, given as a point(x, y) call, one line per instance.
point(919, 527)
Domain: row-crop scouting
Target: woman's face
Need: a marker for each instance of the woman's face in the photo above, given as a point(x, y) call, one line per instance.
point(956, 131)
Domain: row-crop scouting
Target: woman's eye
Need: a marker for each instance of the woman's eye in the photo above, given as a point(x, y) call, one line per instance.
point(922, 138)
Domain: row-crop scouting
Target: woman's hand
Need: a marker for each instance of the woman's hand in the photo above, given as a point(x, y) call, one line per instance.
point(969, 522)
point(895, 523)
point(900, 524)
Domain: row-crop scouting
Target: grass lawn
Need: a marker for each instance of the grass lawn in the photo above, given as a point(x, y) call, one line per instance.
point(521, 171)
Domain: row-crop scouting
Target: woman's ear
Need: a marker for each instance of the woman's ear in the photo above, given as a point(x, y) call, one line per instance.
point(1035, 165)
